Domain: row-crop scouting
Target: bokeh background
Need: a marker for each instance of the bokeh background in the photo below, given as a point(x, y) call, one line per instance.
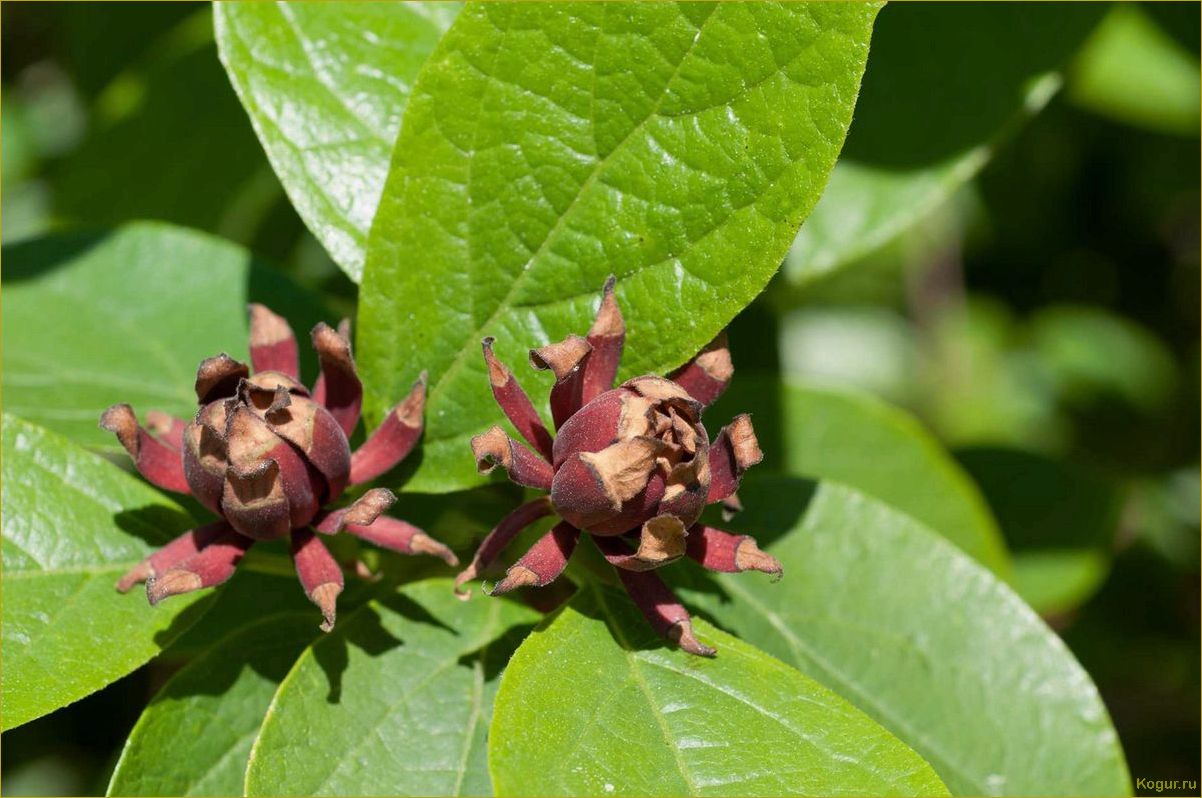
point(1043, 321)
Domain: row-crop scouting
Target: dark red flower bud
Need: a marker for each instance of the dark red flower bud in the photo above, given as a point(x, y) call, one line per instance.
point(266, 454)
point(632, 466)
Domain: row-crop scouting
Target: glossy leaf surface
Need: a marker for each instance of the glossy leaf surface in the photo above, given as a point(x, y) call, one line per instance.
point(546, 146)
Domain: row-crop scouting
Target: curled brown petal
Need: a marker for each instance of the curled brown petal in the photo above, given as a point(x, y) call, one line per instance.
point(661, 541)
point(155, 460)
point(495, 448)
point(722, 551)
point(173, 553)
point(214, 563)
point(218, 378)
point(733, 452)
point(566, 359)
point(543, 562)
point(363, 511)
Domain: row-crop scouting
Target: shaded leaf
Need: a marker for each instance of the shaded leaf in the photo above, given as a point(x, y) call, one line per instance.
point(595, 703)
point(73, 524)
point(395, 701)
point(1060, 520)
point(91, 319)
point(150, 156)
point(923, 126)
point(195, 736)
point(886, 453)
point(546, 146)
point(885, 612)
point(326, 87)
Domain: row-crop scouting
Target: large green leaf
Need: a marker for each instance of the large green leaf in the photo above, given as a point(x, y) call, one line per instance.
point(886, 453)
point(195, 737)
point(885, 612)
point(396, 701)
point(326, 86)
point(545, 146)
point(91, 319)
point(594, 703)
point(73, 523)
point(944, 83)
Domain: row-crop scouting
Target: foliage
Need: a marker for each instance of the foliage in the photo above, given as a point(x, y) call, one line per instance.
point(979, 436)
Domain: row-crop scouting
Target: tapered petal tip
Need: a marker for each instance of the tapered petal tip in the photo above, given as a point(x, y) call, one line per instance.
point(266, 327)
point(461, 579)
point(421, 543)
point(750, 557)
point(608, 323)
point(325, 596)
point(368, 507)
point(139, 573)
point(682, 635)
point(409, 410)
point(330, 342)
point(561, 358)
point(518, 576)
point(121, 421)
point(173, 583)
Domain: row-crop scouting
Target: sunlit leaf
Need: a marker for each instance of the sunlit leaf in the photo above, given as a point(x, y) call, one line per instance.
point(595, 703)
point(326, 86)
point(546, 146)
point(73, 524)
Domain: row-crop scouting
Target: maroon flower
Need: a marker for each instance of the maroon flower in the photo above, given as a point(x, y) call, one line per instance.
point(266, 455)
point(632, 466)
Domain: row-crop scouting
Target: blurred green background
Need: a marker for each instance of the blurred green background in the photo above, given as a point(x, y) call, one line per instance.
point(1043, 321)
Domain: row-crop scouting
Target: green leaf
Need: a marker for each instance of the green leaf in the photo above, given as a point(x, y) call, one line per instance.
point(148, 155)
point(677, 146)
point(195, 736)
point(595, 703)
point(924, 128)
point(886, 453)
point(91, 319)
point(1134, 71)
point(885, 612)
point(73, 524)
point(395, 701)
point(325, 87)
point(1060, 520)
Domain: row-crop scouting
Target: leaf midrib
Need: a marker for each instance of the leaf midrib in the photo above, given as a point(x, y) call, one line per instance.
point(503, 306)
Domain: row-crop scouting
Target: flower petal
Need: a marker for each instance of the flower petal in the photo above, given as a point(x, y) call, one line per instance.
point(515, 403)
point(731, 554)
point(393, 439)
point(319, 574)
point(543, 562)
point(401, 536)
point(155, 460)
point(607, 337)
point(500, 537)
point(735, 450)
point(218, 378)
point(338, 388)
point(706, 376)
point(211, 565)
point(495, 448)
point(566, 359)
point(272, 342)
point(363, 511)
